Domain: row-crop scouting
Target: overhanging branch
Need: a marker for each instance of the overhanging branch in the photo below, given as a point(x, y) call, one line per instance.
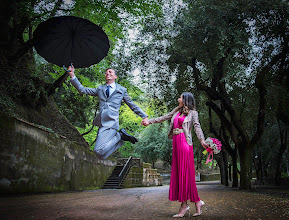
point(260, 84)
point(220, 114)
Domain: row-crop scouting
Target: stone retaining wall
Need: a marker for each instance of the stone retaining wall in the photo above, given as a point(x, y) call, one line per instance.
point(142, 175)
point(37, 160)
point(134, 178)
point(150, 176)
point(210, 177)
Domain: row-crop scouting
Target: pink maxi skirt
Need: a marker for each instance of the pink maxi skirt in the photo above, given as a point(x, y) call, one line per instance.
point(183, 183)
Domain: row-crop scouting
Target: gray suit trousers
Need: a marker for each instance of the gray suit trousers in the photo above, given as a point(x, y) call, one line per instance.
point(108, 141)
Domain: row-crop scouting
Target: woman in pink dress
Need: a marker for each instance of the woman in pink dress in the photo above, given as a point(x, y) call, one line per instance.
point(183, 184)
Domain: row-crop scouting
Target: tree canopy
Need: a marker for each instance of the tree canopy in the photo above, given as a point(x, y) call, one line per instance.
point(227, 53)
point(232, 55)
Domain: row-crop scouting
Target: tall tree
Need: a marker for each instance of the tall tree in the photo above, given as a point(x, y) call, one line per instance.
point(26, 91)
point(228, 50)
point(220, 42)
point(155, 145)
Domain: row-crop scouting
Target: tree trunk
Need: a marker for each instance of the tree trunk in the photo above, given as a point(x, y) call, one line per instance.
point(283, 146)
point(278, 171)
point(225, 167)
point(230, 172)
point(58, 83)
point(235, 182)
point(257, 164)
point(258, 174)
point(220, 162)
point(263, 178)
point(245, 163)
point(199, 161)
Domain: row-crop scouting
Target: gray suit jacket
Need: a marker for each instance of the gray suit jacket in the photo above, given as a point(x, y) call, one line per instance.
point(108, 115)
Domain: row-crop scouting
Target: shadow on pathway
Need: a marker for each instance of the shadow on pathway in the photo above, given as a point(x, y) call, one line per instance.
point(148, 203)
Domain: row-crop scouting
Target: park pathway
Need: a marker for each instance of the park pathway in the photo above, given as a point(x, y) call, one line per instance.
point(147, 203)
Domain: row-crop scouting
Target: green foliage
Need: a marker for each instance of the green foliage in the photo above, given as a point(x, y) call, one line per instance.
point(91, 136)
point(154, 144)
point(167, 36)
point(130, 121)
point(78, 109)
point(115, 18)
point(284, 175)
point(243, 36)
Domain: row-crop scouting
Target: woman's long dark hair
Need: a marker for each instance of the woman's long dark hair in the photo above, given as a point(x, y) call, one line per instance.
point(189, 103)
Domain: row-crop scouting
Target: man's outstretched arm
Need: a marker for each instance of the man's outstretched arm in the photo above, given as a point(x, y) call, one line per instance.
point(81, 89)
point(134, 107)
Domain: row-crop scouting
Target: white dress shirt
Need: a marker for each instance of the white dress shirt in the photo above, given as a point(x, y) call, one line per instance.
point(112, 88)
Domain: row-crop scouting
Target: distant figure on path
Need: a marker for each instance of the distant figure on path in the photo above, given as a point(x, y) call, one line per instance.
point(110, 96)
point(183, 184)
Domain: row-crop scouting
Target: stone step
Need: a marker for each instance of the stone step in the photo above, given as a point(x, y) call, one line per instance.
point(112, 187)
point(113, 177)
point(115, 173)
point(111, 182)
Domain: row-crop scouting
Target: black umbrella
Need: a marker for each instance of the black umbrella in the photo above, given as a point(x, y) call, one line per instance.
point(70, 40)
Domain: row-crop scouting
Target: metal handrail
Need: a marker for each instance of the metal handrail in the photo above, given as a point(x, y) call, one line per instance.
point(124, 170)
point(134, 162)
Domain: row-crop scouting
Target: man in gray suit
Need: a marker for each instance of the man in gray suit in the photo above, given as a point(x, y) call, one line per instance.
point(110, 96)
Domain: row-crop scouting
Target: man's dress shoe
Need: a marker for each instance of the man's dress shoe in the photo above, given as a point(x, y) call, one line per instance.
point(127, 137)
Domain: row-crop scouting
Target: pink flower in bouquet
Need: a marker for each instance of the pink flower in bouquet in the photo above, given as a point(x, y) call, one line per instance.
point(217, 143)
point(215, 147)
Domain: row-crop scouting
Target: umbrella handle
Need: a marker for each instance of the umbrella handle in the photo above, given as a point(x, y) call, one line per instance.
point(66, 69)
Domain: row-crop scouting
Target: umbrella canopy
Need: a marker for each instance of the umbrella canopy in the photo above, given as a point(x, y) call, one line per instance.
point(68, 39)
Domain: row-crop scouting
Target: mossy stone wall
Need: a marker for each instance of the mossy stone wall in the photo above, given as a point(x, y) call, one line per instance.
point(134, 178)
point(210, 177)
point(34, 159)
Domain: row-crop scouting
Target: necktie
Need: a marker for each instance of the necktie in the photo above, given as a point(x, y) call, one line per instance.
point(107, 91)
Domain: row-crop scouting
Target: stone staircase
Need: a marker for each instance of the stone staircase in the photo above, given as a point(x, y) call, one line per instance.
point(131, 172)
point(113, 182)
point(118, 175)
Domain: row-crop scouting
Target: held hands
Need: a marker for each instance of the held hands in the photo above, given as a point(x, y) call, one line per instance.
point(203, 143)
point(71, 69)
point(145, 121)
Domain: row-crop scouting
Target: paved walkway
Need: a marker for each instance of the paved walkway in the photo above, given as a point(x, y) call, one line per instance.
point(147, 203)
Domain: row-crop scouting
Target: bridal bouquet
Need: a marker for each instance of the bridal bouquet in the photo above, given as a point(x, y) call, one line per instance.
point(215, 147)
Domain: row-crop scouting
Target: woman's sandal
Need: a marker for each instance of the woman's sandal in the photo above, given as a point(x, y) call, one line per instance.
point(199, 213)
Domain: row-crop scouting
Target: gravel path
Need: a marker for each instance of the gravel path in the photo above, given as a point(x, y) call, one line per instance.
point(147, 203)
